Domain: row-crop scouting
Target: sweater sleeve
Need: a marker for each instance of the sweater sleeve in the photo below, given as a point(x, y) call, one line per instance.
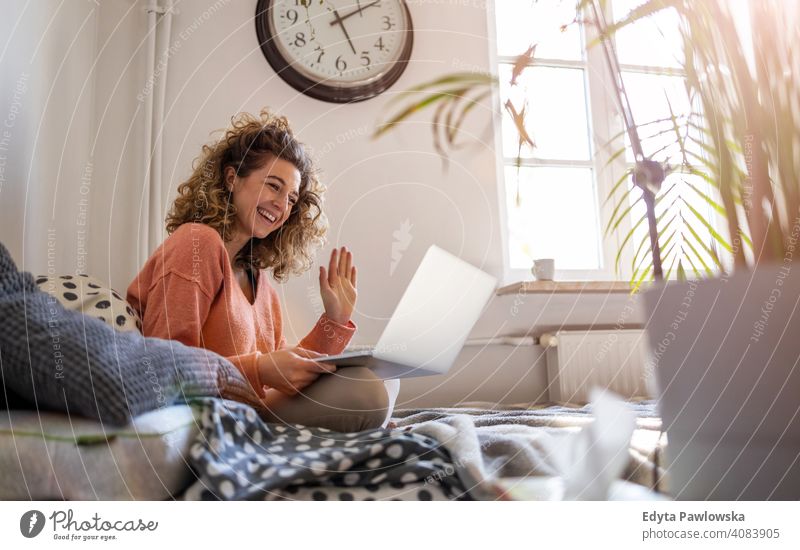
point(328, 336)
point(176, 289)
point(178, 307)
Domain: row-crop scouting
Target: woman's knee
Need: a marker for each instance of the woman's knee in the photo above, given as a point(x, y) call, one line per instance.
point(360, 389)
point(357, 393)
point(349, 400)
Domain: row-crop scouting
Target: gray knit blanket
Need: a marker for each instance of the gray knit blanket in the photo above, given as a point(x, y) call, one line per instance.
point(55, 359)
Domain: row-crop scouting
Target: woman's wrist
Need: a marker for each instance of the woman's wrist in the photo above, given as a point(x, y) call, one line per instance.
point(263, 363)
point(339, 320)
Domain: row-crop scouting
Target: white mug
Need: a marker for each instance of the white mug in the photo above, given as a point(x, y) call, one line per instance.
point(544, 269)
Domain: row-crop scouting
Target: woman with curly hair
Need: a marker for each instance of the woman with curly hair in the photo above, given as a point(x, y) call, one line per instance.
point(253, 204)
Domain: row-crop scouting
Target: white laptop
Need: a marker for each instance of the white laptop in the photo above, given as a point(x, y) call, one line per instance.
point(428, 328)
point(727, 358)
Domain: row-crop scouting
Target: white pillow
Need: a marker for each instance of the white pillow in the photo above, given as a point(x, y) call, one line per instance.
point(91, 297)
point(41, 458)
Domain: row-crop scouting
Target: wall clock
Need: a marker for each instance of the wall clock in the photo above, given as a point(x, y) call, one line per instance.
point(336, 50)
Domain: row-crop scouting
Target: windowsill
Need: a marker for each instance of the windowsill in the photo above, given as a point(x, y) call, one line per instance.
point(566, 287)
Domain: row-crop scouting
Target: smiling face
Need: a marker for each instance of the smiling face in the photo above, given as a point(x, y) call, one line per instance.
point(264, 198)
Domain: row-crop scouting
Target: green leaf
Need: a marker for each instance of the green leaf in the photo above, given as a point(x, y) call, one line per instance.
point(646, 9)
point(452, 106)
point(622, 215)
point(624, 242)
point(473, 78)
point(711, 202)
point(639, 126)
point(412, 109)
point(638, 283)
point(618, 153)
point(619, 182)
point(681, 271)
point(713, 232)
point(702, 244)
point(467, 108)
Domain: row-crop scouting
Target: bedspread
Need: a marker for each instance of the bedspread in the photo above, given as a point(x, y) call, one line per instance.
point(237, 456)
point(433, 454)
point(487, 442)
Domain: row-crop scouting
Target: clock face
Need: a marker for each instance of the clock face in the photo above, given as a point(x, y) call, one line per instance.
point(336, 50)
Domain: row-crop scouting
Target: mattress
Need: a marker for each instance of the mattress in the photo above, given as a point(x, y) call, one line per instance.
point(49, 455)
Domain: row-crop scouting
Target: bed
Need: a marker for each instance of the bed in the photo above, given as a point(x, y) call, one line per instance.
point(217, 449)
point(162, 437)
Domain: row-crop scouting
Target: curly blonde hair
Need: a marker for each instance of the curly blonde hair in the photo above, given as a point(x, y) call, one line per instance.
point(247, 145)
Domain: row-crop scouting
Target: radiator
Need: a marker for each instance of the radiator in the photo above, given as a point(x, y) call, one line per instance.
point(577, 361)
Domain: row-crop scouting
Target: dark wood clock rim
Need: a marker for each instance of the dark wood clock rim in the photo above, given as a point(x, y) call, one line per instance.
point(318, 90)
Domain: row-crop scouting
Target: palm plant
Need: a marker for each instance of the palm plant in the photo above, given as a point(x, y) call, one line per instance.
point(741, 142)
point(748, 126)
point(453, 96)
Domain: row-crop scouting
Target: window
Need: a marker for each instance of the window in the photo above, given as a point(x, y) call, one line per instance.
point(556, 192)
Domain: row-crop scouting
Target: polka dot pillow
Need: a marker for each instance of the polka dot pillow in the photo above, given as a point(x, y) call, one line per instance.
point(91, 297)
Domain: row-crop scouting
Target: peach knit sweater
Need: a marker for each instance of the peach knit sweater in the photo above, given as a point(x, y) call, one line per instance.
point(187, 291)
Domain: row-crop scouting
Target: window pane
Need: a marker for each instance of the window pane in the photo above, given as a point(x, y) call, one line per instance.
point(653, 41)
point(556, 218)
point(556, 113)
point(648, 94)
point(521, 23)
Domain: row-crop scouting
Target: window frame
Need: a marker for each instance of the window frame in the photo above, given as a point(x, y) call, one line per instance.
point(604, 120)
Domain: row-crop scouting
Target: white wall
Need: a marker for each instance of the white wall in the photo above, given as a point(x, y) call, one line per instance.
point(46, 66)
point(216, 70)
point(119, 140)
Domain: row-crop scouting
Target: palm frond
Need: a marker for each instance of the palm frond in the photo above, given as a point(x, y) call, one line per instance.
point(739, 147)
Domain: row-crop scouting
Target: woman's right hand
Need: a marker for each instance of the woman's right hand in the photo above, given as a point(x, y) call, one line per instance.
point(291, 369)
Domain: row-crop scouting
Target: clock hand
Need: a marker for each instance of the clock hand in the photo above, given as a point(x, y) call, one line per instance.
point(339, 20)
point(359, 10)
